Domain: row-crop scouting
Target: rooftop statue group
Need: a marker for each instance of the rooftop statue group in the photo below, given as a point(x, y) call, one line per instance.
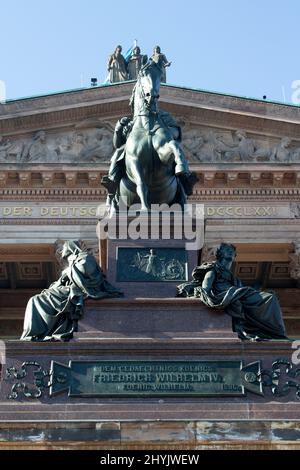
point(120, 69)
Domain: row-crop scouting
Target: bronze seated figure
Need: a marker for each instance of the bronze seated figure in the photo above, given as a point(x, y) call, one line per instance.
point(256, 315)
point(54, 313)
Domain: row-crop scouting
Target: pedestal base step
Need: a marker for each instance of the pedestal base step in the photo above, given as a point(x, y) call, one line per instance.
point(144, 318)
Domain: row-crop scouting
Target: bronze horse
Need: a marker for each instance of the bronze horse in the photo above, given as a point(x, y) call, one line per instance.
point(156, 170)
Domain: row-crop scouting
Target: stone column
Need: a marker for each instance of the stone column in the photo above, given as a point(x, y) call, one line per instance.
point(295, 261)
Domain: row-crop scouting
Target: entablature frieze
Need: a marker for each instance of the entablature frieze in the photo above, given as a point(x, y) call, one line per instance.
point(90, 211)
point(200, 195)
point(211, 177)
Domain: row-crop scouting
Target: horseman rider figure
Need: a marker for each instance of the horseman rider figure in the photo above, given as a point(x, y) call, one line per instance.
point(117, 169)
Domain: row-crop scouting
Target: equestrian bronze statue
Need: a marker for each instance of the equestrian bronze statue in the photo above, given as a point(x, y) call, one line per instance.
point(148, 166)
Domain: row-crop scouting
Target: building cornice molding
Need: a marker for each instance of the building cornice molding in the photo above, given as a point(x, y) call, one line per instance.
point(111, 102)
point(60, 181)
point(38, 221)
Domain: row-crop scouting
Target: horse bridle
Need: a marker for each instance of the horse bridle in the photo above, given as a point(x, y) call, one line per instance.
point(143, 94)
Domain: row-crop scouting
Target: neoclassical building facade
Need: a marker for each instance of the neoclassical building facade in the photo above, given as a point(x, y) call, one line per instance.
point(54, 150)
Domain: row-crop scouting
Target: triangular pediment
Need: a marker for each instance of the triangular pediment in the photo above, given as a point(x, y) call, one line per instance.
point(78, 120)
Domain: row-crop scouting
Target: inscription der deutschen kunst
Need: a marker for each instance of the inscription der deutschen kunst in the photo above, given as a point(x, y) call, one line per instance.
point(91, 211)
point(65, 211)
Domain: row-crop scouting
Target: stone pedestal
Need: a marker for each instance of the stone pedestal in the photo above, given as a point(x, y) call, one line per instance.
point(60, 421)
point(150, 319)
point(152, 260)
point(150, 371)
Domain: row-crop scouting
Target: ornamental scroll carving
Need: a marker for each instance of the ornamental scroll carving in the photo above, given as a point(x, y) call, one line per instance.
point(31, 381)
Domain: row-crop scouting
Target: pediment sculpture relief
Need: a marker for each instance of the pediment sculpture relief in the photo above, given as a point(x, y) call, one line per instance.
point(75, 146)
point(92, 142)
point(237, 146)
point(10, 150)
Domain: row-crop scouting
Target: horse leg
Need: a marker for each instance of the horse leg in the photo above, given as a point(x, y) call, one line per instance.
point(141, 187)
point(126, 195)
point(172, 148)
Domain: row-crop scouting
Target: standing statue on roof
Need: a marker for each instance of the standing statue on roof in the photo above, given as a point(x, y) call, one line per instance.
point(161, 59)
point(117, 66)
point(135, 63)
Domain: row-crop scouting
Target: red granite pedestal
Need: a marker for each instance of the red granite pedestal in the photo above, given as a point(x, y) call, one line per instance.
point(142, 329)
point(61, 422)
point(152, 318)
point(155, 278)
point(150, 326)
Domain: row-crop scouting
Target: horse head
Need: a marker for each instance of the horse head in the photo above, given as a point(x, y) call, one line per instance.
point(148, 85)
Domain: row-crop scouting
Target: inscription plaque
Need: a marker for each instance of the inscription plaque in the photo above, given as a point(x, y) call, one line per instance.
point(155, 378)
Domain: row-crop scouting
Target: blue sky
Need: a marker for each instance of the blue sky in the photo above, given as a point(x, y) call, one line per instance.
point(243, 47)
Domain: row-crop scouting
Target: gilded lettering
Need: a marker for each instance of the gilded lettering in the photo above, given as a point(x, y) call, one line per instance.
point(44, 211)
point(259, 211)
point(248, 211)
point(17, 211)
point(7, 211)
point(83, 211)
point(54, 211)
point(28, 211)
point(268, 210)
point(210, 211)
